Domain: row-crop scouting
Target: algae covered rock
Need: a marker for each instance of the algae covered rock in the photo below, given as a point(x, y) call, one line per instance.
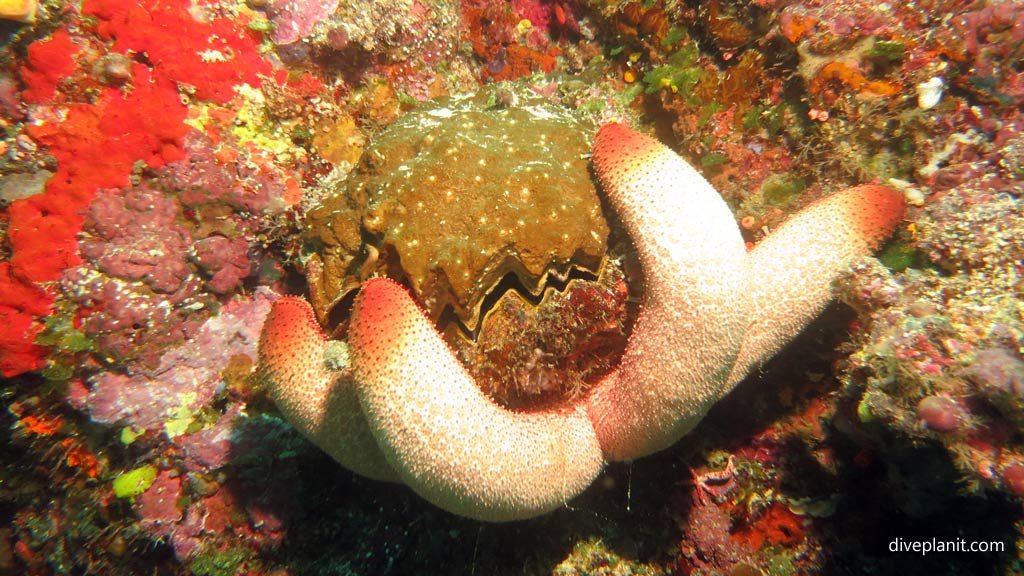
point(456, 195)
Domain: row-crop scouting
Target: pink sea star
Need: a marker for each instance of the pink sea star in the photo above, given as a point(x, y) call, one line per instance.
point(408, 410)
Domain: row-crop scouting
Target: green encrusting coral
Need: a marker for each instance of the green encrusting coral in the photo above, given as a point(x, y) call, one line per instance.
point(134, 482)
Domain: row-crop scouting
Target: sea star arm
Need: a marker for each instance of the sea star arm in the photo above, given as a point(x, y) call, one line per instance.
point(792, 270)
point(320, 403)
point(446, 439)
point(695, 302)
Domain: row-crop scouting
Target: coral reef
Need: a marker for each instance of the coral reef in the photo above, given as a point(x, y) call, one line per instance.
point(187, 377)
point(294, 20)
point(942, 360)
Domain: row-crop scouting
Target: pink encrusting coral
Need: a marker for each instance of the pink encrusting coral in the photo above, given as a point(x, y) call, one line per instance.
point(134, 234)
point(187, 376)
point(95, 146)
point(295, 19)
point(142, 294)
point(224, 261)
point(242, 183)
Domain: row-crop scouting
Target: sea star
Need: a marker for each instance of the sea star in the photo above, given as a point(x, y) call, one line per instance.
point(408, 410)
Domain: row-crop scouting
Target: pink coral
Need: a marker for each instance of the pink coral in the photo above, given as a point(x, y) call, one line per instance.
point(158, 506)
point(940, 413)
point(707, 544)
point(134, 235)
point(127, 321)
point(211, 447)
point(224, 260)
point(188, 376)
point(200, 178)
point(295, 19)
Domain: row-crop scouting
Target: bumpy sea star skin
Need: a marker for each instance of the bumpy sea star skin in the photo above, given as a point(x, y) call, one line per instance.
point(319, 402)
point(792, 270)
point(695, 297)
point(448, 441)
point(711, 312)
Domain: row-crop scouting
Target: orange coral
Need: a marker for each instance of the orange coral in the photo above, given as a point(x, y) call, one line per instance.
point(638, 22)
point(725, 24)
point(98, 142)
point(211, 57)
point(777, 527)
point(853, 78)
point(80, 457)
point(42, 425)
point(488, 29)
point(796, 26)
point(49, 62)
point(522, 60)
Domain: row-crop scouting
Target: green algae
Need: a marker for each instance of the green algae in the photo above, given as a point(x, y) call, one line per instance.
point(129, 435)
point(679, 74)
point(899, 256)
point(210, 561)
point(891, 50)
point(781, 189)
point(134, 482)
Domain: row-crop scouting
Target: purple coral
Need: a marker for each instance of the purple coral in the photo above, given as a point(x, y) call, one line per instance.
point(707, 544)
point(224, 260)
point(127, 321)
point(201, 179)
point(187, 377)
point(295, 19)
point(137, 286)
point(133, 234)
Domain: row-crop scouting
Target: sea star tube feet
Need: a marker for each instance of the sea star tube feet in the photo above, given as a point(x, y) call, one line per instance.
point(695, 297)
point(792, 270)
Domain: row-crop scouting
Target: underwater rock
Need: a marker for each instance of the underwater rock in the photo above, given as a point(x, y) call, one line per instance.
point(998, 370)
